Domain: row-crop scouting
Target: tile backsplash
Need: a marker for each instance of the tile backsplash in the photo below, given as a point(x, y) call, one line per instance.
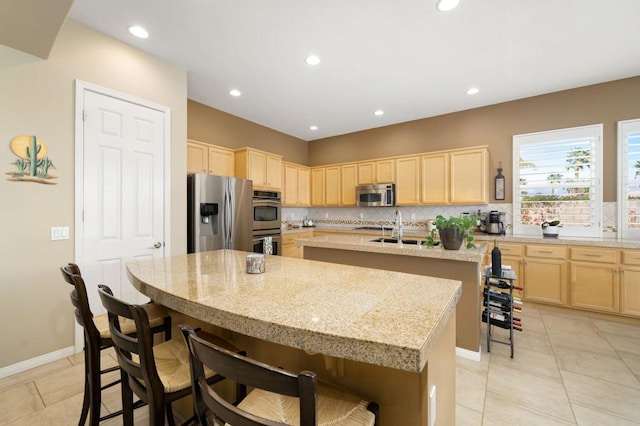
point(414, 216)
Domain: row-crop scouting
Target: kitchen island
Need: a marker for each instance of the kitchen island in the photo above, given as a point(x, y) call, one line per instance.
point(387, 336)
point(463, 265)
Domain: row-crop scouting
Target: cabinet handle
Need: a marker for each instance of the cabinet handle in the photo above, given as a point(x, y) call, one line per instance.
point(545, 251)
point(592, 255)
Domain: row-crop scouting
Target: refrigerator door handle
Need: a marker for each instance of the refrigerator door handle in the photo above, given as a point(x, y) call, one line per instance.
point(229, 209)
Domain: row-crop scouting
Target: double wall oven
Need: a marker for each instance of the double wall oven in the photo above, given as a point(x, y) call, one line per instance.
point(267, 220)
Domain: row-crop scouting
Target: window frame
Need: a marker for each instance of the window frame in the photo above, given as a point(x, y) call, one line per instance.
point(624, 128)
point(589, 131)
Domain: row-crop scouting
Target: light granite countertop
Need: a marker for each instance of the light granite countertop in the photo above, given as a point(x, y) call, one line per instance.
point(379, 317)
point(364, 243)
point(421, 234)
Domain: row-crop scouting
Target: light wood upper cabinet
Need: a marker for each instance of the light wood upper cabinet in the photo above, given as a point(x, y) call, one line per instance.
point(435, 178)
point(221, 161)
point(379, 171)
point(197, 157)
point(211, 159)
point(317, 186)
point(385, 171)
point(469, 176)
point(332, 186)
point(348, 177)
point(407, 181)
point(296, 185)
point(263, 168)
point(366, 172)
point(305, 186)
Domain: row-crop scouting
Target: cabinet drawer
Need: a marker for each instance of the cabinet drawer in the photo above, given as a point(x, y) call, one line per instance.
point(546, 251)
point(631, 257)
point(509, 249)
point(595, 255)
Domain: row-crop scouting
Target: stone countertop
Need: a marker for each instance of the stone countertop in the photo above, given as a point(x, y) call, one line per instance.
point(379, 317)
point(421, 234)
point(364, 243)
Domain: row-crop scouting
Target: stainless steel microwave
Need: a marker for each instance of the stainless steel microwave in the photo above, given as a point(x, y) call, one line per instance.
point(382, 194)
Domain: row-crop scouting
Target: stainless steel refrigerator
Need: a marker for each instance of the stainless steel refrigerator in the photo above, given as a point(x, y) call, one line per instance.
point(219, 213)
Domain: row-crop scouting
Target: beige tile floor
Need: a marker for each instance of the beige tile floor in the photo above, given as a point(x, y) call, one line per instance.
point(567, 370)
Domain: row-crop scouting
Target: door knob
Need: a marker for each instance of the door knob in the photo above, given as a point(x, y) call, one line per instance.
point(157, 245)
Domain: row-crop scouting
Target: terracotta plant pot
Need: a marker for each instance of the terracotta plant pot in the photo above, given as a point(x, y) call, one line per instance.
point(451, 238)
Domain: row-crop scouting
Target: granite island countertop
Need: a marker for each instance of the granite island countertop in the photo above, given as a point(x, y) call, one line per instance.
point(379, 317)
point(364, 243)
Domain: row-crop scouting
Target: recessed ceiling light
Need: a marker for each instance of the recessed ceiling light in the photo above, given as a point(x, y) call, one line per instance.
point(447, 5)
point(235, 92)
point(312, 60)
point(313, 127)
point(473, 91)
point(138, 31)
point(379, 112)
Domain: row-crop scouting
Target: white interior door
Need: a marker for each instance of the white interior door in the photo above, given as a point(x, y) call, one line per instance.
point(122, 187)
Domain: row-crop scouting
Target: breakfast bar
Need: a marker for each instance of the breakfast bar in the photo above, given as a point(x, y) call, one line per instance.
point(463, 265)
point(387, 336)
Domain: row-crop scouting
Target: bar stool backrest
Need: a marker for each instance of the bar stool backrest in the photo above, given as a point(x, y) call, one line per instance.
point(141, 369)
point(241, 369)
point(80, 302)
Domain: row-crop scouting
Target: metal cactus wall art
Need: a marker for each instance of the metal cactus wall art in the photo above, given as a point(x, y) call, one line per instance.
point(32, 164)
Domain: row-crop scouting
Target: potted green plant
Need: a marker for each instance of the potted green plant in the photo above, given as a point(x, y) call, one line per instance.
point(453, 231)
point(550, 229)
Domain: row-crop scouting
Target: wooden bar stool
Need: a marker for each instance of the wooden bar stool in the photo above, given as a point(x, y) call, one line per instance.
point(97, 337)
point(159, 374)
point(278, 398)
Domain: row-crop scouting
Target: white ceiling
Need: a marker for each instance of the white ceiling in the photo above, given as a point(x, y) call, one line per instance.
point(403, 56)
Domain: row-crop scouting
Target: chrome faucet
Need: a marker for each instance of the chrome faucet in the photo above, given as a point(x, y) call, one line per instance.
point(397, 226)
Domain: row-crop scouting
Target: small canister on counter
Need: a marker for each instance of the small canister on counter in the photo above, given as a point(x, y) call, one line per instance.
point(255, 263)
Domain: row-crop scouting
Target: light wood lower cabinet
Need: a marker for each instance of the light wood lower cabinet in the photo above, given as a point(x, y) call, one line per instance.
point(289, 248)
point(630, 290)
point(545, 274)
point(593, 279)
point(594, 287)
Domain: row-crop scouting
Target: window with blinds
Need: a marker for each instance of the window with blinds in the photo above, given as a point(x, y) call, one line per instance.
point(558, 176)
point(629, 178)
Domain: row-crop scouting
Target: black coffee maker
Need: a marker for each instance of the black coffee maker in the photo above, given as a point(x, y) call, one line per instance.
point(495, 225)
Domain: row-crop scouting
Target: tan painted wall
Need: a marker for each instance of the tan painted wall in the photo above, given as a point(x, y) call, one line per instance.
point(38, 98)
point(494, 126)
point(216, 127)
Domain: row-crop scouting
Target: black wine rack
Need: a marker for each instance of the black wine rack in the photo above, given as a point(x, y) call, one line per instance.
point(500, 307)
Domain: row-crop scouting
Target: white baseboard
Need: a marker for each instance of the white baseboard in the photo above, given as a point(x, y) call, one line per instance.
point(28, 364)
point(467, 354)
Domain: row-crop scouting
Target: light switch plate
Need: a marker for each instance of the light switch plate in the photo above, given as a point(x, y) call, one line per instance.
point(59, 233)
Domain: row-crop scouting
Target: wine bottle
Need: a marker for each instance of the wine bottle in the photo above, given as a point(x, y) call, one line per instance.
point(502, 306)
point(502, 320)
point(502, 283)
point(496, 260)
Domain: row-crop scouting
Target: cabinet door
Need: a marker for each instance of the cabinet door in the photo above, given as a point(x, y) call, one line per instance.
point(366, 172)
point(332, 186)
point(317, 187)
point(545, 281)
point(257, 168)
point(435, 179)
point(304, 185)
point(630, 291)
point(594, 286)
point(348, 178)
point(221, 162)
point(290, 195)
point(273, 172)
point(385, 171)
point(469, 169)
point(517, 265)
point(407, 181)
point(197, 158)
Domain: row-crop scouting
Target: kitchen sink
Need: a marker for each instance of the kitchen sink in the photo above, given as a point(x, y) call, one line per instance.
point(395, 240)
